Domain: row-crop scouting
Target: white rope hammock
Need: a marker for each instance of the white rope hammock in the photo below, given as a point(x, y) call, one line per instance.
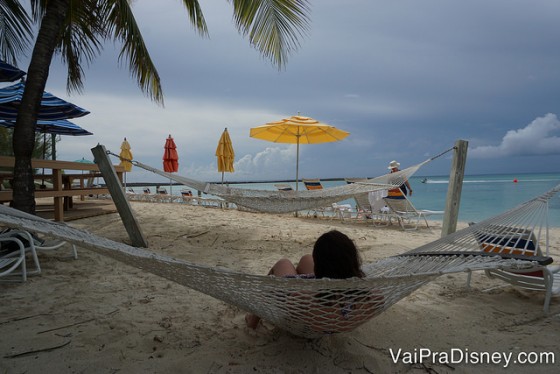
point(290, 201)
point(314, 307)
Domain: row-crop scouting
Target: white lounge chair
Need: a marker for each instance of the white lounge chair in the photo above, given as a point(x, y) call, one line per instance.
point(506, 240)
point(33, 244)
point(370, 205)
point(11, 261)
point(406, 214)
point(16, 244)
point(313, 185)
point(342, 211)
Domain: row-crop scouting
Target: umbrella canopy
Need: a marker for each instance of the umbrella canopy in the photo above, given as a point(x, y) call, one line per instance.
point(170, 156)
point(225, 154)
point(52, 107)
point(126, 154)
point(59, 127)
point(9, 73)
point(83, 160)
point(298, 130)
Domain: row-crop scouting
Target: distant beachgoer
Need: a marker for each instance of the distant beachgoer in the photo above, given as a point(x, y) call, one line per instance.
point(404, 189)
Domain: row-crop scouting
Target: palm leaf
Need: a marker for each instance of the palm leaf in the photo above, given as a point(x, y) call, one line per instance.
point(81, 40)
point(273, 26)
point(196, 17)
point(122, 25)
point(15, 30)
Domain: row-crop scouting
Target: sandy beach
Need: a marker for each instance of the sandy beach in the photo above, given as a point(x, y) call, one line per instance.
point(95, 315)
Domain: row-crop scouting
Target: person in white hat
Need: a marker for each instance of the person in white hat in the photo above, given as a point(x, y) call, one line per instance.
point(404, 189)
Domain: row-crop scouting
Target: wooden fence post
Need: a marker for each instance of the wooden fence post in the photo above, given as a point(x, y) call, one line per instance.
point(119, 198)
point(454, 190)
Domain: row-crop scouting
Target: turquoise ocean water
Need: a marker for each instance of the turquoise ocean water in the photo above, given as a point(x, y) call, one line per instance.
point(483, 196)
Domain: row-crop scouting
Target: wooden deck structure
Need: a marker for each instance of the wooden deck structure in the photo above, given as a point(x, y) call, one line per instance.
point(63, 176)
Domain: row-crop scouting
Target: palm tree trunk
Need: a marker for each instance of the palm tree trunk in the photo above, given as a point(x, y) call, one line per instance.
point(37, 74)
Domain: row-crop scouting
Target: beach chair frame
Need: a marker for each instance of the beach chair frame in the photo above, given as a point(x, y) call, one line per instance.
point(520, 241)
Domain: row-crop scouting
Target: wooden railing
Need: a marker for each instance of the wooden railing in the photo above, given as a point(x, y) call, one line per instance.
point(63, 188)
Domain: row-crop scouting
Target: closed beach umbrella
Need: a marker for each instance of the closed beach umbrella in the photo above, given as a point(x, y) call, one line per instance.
point(298, 130)
point(52, 107)
point(225, 154)
point(170, 158)
point(126, 156)
point(9, 73)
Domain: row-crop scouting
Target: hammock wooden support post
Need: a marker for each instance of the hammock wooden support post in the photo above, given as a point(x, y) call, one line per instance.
point(119, 198)
point(456, 177)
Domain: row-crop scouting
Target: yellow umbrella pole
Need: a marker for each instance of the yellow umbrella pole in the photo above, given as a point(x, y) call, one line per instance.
point(297, 163)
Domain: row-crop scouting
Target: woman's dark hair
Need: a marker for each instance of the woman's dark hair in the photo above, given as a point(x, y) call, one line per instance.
point(335, 256)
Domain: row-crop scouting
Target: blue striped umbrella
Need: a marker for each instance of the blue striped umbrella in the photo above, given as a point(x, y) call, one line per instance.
point(59, 127)
point(9, 73)
point(52, 107)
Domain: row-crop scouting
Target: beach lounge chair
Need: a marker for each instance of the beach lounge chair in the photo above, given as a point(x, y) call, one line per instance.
point(511, 240)
point(363, 206)
point(370, 205)
point(34, 244)
point(381, 214)
point(314, 185)
point(342, 211)
point(283, 187)
point(406, 214)
point(12, 260)
point(15, 245)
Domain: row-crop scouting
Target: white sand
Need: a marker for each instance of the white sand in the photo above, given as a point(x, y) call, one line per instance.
point(100, 316)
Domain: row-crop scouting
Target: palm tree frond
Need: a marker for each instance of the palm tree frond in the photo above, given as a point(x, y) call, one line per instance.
point(122, 25)
point(196, 17)
point(80, 40)
point(273, 26)
point(15, 30)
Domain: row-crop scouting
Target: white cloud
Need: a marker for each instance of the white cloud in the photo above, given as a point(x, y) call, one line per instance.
point(196, 126)
point(271, 163)
point(537, 138)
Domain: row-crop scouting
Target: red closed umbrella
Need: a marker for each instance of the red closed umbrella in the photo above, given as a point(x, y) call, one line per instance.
point(170, 159)
point(170, 156)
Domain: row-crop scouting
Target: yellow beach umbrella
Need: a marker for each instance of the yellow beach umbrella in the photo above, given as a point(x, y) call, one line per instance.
point(125, 156)
point(298, 130)
point(225, 154)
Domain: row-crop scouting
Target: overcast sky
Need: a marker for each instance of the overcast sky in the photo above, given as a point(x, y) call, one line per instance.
point(406, 78)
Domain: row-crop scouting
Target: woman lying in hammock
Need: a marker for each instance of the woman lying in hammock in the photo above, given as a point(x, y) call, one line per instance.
point(334, 256)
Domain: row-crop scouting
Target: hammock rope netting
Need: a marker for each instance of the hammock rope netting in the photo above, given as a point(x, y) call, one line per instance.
point(268, 201)
point(314, 307)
